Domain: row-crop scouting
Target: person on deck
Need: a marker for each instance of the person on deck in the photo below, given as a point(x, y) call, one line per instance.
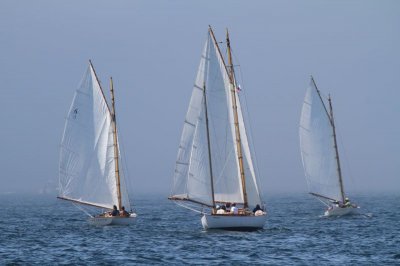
point(220, 210)
point(115, 211)
point(257, 208)
point(347, 202)
point(234, 209)
point(123, 212)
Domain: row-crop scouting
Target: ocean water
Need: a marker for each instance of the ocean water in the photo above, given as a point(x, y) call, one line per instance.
point(44, 230)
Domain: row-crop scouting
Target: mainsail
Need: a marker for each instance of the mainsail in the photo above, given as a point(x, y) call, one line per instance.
point(192, 179)
point(87, 159)
point(317, 145)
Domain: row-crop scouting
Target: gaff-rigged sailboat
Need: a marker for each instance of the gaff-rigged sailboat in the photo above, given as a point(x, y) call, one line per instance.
point(319, 152)
point(214, 167)
point(89, 158)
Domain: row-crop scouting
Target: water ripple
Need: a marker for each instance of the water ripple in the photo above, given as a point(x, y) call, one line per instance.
point(40, 230)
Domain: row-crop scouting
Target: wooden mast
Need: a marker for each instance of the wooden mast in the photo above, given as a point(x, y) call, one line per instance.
point(209, 146)
point(114, 125)
point(336, 149)
point(231, 73)
point(330, 116)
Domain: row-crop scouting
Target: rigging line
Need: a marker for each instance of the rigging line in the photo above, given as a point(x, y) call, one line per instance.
point(218, 157)
point(344, 152)
point(348, 167)
point(187, 207)
point(82, 209)
point(125, 169)
point(255, 159)
point(225, 164)
point(323, 202)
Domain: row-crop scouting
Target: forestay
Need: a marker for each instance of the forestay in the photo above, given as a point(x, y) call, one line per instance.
point(192, 178)
point(253, 193)
point(317, 146)
point(87, 161)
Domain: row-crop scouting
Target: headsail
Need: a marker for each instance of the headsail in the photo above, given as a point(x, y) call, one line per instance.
point(87, 166)
point(317, 147)
point(192, 179)
point(253, 193)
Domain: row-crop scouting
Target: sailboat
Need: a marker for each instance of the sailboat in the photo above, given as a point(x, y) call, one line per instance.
point(320, 155)
point(89, 168)
point(214, 167)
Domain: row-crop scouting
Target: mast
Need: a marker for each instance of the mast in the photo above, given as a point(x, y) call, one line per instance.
point(336, 148)
point(320, 97)
point(209, 145)
point(231, 73)
point(330, 116)
point(114, 126)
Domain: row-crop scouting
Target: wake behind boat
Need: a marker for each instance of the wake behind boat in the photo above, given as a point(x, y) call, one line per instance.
point(320, 155)
point(89, 158)
point(214, 169)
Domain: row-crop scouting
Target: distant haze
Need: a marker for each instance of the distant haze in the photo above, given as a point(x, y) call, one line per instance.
point(152, 50)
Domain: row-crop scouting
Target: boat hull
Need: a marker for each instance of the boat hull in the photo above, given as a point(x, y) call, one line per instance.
point(112, 220)
point(233, 222)
point(337, 211)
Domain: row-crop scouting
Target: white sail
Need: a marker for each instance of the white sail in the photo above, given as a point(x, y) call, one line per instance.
point(181, 189)
point(199, 181)
point(227, 182)
point(192, 179)
point(87, 161)
point(253, 194)
point(317, 147)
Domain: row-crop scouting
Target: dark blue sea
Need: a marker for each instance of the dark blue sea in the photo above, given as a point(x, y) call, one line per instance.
point(44, 230)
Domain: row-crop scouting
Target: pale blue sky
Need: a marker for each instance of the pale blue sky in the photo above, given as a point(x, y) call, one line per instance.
point(152, 50)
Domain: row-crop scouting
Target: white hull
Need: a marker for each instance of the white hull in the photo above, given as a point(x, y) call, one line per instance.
point(233, 222)
point(112, 220)
point(337, 211)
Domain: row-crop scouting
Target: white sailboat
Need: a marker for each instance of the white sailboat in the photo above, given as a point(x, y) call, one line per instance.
point(320, 155)
point(89, 157)
point(214, 165)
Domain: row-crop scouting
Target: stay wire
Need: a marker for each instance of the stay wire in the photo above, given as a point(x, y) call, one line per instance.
point(125, 169)
point(249, 124)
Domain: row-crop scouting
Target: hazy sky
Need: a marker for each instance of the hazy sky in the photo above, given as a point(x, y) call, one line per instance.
point(152, 50)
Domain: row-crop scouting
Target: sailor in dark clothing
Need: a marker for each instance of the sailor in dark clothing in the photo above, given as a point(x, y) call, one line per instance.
point(115, 211)
point(257, 208)
point(124, 213)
